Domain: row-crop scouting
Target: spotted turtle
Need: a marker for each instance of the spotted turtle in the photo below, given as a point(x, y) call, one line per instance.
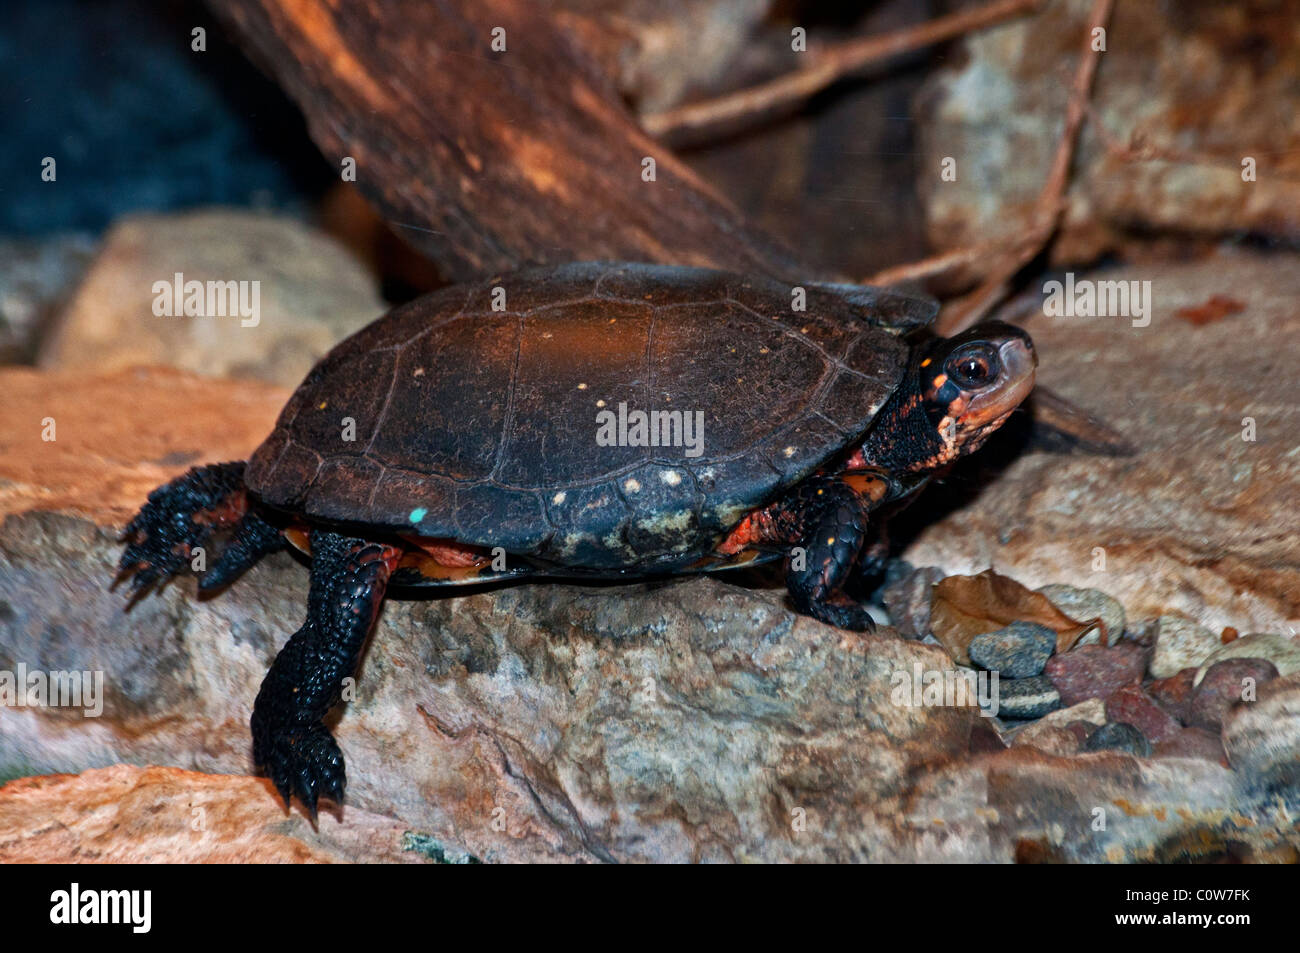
point(598, 420)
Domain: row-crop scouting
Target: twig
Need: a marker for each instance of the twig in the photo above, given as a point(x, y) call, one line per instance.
point(833, 63)
point(967, 310)
point(934, 266)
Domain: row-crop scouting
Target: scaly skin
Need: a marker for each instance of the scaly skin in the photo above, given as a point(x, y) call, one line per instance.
point(831, 521)
point(348, 580)
point(203, 506)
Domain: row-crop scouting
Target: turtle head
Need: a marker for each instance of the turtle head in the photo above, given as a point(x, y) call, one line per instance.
point(957, 392)
point(970, 384)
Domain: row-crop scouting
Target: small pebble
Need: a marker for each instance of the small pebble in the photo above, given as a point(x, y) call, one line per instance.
point(1192, 743)
point(984, 738)
point(1095, 671)
point(1052, 739)
point(1059, 720)
point(1026, 697)
point(1093, 710)
point(1282, 651)
point(1130, 705)
point(1081, 729)
point(1174, 693)
point(1180, 643)
point(1224, 685)
point(1083, 604)
point(908, 600)
point(1018, 651)
point(1117, 736)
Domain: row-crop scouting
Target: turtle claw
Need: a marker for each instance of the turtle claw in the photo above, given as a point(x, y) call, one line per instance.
point(179, 518)
point(302, 762)
point(844, 613)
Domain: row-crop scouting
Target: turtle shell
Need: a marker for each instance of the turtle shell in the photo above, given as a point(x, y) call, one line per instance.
point(483, 413)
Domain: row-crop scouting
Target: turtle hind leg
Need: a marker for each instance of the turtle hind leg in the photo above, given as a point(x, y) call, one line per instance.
point(290, 741)
point(183, 517)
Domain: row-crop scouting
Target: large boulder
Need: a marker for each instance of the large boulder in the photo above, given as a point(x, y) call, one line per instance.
point(302, 292)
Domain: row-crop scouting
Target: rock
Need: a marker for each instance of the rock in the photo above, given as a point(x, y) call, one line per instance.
point(1263, 741)
point(1084, 604)
point(1174, 693)
point(310, 294)
point(1192, 743)
point(1117, 736)
point(1092, 711)
point(1179, 644)
point(1018, 651)
point(1226, 684)
point(1044, 733)
point(1199, 523)
point(1035, 805)
point(1282, 651)
point(1026, 697)
point(1178, 96)
point(113, 441)
point(670, 48)
point(1081, 730)
point(1053, 739)
point(688, 721)
point(1131, 705)
point(1095, 671)
point(36, 276)
point(131, 815)
point(908, 601)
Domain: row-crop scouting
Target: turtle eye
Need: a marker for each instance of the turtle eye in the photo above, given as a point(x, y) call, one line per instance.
point(973, 366)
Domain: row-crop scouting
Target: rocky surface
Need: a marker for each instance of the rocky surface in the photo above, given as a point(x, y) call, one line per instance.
point(1183, 94)
point(130, 815)
point(310, 294)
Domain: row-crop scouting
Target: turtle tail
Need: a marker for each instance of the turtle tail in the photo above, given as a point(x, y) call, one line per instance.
point(174, 530)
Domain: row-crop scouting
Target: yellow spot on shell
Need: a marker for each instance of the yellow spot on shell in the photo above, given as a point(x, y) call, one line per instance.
point(830, 541)
point(582, 387)
point(632, 486)
point(558, 498)
point(322, 405)
point(926, 362)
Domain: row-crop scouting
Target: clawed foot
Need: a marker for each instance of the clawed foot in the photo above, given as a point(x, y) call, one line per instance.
point(302, 761)
point(843, 612)
point(179, 518)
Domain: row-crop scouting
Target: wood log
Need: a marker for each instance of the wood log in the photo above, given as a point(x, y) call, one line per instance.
point(488, 160)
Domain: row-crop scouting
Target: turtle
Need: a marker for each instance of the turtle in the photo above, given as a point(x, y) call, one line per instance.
point(598, 420)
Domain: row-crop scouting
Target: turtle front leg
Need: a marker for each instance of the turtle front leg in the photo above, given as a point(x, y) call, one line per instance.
point(826, 518)
point(833, 525)
point(181, 517)
point(348, 580)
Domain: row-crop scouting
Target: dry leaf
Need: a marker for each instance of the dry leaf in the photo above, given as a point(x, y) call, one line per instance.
point(962, 607)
